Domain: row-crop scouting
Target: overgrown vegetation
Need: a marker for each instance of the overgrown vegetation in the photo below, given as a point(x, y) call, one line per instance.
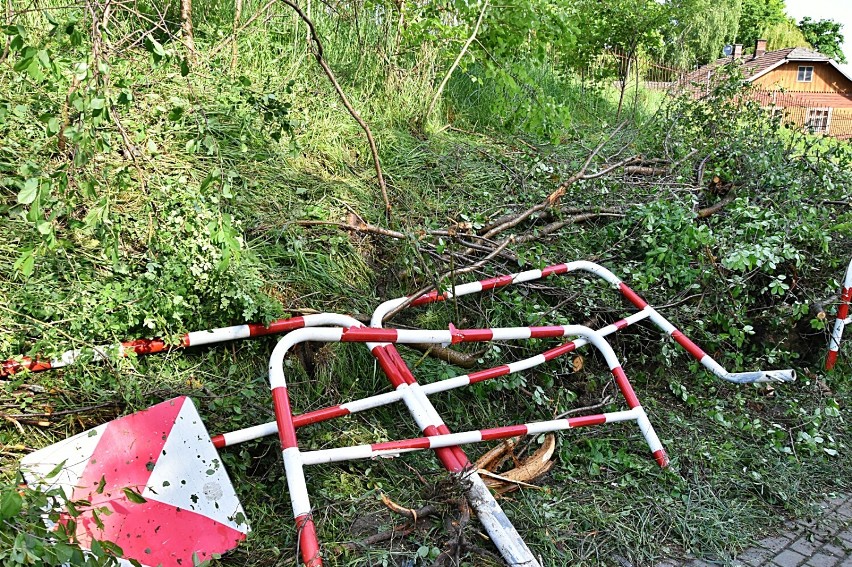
point(149, 189)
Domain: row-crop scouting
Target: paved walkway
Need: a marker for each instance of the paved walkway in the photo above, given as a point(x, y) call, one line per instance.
point(825, 541)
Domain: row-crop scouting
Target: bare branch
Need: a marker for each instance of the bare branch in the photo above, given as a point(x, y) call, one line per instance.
point(424, 290)
point(455, 64)
point(317, 51)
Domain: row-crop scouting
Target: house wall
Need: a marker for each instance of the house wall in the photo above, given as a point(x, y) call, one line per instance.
point(839, 126)
point(826, 79)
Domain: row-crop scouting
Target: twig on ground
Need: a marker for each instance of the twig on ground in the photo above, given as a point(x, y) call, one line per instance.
point(396, 531)
point(718, 206)
point(424, 290)
point(604, 402)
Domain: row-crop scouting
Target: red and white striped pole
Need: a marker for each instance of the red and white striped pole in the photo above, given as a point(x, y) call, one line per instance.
point(501, 281)
point(842, 320)
point(372, 402)
point(150, 346)
point(294, 460)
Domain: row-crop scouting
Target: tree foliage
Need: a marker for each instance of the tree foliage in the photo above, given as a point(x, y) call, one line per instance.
point(825, 36)
point(700, 29)
point(756, 17)
point(784, 34)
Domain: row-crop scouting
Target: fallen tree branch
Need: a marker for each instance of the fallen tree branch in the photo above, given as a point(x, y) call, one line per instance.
point(718, 206)
point(460, 359)
point(396, 531)
point(554, 226)
point(455, 64)
point(645, 170)
point(424, 290)
point(554, 197)
point(604, 402)
point(63, 412)
point(317, 51)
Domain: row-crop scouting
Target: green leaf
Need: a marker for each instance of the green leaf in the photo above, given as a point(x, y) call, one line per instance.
point(23, 63)
point(155, 48)
point(184, 67)
point(134, 496)
point(10, 505)
point(101, 485)
point(28, 194)
point(43, 58)
point(63, 552)
point(176, 113)
point(97, 518)
point(44, 228)
point(53, 125)
point(96, 103)
point(25, 263)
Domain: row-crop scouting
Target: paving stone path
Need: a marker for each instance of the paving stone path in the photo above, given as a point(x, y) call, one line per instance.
point(825, 541)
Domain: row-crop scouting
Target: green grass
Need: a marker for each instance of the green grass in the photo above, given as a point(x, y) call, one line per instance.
point(743, 457)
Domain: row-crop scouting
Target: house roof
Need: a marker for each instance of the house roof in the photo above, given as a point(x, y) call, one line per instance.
point(755, 67)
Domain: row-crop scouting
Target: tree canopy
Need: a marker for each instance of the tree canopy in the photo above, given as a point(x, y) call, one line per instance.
point(824, 36)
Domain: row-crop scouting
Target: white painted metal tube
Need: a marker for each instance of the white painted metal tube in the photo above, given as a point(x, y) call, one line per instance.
point(706, 360)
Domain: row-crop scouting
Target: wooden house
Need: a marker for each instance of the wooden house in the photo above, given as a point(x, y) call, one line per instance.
point(806, 87)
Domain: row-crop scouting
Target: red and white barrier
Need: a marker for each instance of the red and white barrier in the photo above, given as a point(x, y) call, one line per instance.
point(437, 436)
point(492, 283)
point(197, 338)
point(372, 402)
point(294, 459)
point(842, 320)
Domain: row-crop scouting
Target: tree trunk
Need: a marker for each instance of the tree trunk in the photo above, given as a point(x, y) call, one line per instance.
point(238, 14)
point(186, 26)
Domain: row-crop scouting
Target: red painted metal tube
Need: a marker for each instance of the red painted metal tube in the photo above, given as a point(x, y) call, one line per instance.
point(842, 320)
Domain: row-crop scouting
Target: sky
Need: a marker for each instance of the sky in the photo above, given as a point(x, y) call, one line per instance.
point(837, 10)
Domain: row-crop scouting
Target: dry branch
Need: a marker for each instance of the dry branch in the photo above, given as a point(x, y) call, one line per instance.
point(317, 51)
point(396, 531)
point(424, 290)
point(460, 359)
point(455, 64)
point(554, 197)
point(718, 206)
point(645, 170)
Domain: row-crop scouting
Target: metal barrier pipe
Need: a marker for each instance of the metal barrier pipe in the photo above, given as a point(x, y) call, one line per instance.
point(581, 265)
point(396, 448)
point(151, 346)
point(293, 458)
point(424, 414)
point(842, 320)
point(197, 338)
point(371, 402)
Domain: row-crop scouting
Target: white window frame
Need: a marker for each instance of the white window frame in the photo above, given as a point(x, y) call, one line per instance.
point(810, 126)
point(774, 110)
point(803, 69)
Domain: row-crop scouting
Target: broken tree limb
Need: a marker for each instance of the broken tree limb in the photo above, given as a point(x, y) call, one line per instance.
point(424, 290)
point(317, 51)
point(396, 531)
point(522, 474)
point(455, 358)
point(455, 64)
point(718, 206)
point(554, 197)
point(645, 170)
point(554, 226)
